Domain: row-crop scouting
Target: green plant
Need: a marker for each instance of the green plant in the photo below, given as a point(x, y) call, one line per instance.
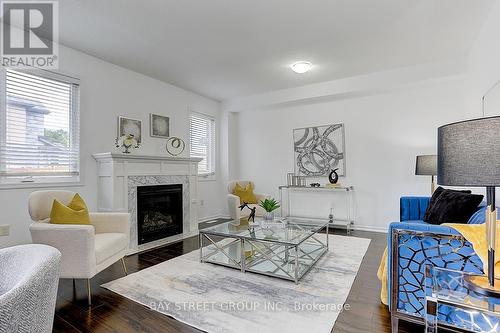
point(269, 204)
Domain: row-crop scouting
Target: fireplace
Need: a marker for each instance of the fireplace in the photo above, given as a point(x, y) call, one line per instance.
point(159, 212)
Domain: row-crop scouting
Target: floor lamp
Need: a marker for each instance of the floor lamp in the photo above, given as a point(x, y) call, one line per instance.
point(426, 165)
point(469, 155)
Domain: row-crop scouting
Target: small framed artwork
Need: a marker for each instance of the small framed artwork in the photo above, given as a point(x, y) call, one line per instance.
point(159, 126)
point(128, 126)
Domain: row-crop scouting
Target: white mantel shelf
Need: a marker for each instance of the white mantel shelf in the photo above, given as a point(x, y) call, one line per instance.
point(125, 157)
point(119, 175)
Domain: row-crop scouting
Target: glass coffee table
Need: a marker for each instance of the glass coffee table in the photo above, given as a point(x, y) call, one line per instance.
point(286, 250)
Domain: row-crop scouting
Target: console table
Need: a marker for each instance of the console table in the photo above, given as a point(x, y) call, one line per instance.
point(335, 222)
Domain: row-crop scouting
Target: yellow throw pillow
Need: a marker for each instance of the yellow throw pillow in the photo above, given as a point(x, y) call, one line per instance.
point(77, 203)
point(75, 212)
point(245, 193)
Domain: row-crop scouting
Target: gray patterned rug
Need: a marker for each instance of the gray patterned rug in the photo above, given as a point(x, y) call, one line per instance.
point(217, 299)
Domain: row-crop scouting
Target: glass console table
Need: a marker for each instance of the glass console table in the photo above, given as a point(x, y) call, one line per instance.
point(335, 222)
point(287, 251)
point(453, 305)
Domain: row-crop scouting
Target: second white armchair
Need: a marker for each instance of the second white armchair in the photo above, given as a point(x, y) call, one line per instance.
point(86, 249)
point(233, 201)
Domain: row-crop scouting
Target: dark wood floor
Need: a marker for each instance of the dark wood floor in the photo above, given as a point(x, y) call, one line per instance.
point(111, 312)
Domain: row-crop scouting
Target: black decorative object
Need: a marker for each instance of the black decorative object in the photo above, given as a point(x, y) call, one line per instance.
point(315, 184)
point(252, 211)
point(468, 155)
point(333, 177)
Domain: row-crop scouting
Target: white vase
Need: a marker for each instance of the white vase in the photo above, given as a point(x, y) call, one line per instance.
point(268, 216)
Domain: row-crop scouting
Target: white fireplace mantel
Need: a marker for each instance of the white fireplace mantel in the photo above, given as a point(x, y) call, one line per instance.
point(120, 174)
point(132, 157)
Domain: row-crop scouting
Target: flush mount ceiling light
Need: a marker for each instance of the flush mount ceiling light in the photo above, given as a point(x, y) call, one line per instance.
point(300, 67)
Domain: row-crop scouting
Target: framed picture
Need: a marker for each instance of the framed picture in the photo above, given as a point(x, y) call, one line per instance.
point(129, 126)
point(159, 126)
point(318, 150)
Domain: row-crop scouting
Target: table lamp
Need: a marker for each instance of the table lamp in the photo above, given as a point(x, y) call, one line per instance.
point(426, 165)
point(469, 155)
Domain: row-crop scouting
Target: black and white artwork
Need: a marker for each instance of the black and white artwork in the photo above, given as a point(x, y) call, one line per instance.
point(128, 126)
point(318, 150)
point(159, 126)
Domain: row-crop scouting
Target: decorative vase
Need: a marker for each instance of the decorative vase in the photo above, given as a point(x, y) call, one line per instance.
point(127, 142)
point(268, 216)
point(333, 177)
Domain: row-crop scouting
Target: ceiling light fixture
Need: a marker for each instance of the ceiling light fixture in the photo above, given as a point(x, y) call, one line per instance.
point(300, 67)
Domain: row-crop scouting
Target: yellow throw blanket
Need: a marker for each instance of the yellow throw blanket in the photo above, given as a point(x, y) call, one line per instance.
point(476, 235)
point(382, 276)
point(473, 233)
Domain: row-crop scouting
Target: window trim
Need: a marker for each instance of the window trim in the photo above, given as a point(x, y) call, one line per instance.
point(33, 180)
point(210, 176)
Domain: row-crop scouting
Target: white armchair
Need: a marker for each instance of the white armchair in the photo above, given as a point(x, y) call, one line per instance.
point(233, 201)
point(86, 249)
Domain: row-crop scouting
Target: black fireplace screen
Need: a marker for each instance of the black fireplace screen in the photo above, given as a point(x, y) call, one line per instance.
point(159, 212)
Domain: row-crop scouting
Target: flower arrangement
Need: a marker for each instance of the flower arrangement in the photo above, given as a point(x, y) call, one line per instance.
point(127, 141)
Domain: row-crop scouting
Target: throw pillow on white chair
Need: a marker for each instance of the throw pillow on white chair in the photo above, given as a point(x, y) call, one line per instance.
point(233, 201)
point(86, 249)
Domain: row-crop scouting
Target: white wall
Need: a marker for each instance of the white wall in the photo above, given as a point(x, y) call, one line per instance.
point(384, 133)
point(484, 64)
point(483, 71)
point(108, 91)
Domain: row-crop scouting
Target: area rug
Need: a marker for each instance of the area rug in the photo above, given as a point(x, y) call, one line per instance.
point(217, 299)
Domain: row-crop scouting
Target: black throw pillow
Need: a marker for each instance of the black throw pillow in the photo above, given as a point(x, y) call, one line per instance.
point(435, 195)
point(454, 207)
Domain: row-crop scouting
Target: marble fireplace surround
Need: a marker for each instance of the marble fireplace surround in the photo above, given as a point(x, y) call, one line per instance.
point(119, 175)
point(136, 181)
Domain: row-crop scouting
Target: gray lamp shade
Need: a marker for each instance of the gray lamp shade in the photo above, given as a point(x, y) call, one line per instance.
point(469, 153)
point(426, 165)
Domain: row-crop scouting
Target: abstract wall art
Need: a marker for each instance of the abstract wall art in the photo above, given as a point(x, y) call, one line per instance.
point(318, 150)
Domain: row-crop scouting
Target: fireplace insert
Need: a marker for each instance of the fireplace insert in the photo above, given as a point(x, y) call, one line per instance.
point(159, 212)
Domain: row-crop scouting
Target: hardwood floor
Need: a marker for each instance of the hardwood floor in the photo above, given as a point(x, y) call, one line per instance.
point(111, 312)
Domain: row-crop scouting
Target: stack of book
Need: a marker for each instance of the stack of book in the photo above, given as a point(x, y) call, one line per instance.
point(338, 185)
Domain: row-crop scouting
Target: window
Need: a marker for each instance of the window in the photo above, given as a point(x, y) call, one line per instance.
point(39, 119)
point(202, 142)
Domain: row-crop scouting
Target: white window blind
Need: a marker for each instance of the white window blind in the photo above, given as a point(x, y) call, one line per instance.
point(202, 142)
point(40, 125)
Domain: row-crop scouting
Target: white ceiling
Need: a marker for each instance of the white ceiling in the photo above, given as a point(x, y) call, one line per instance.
point(230, 48)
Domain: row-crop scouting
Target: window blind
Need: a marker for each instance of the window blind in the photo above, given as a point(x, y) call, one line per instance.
point(40, 118)
point(202, 142)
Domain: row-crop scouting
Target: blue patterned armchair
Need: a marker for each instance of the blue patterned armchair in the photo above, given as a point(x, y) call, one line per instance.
point(414, 245)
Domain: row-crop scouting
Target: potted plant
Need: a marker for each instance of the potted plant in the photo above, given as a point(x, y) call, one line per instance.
point(269, 205)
